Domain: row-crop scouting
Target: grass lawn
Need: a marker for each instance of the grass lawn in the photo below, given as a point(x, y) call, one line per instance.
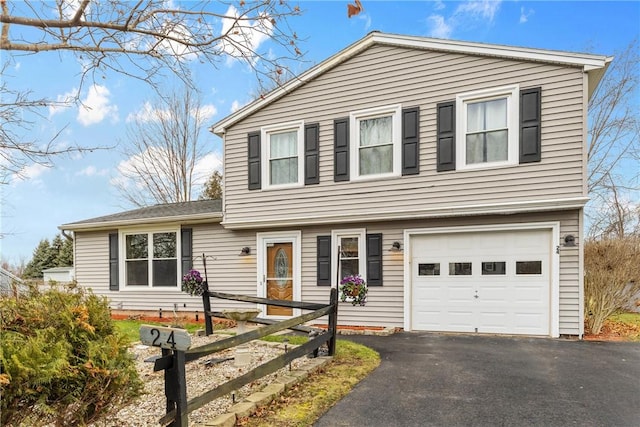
point(306, 402)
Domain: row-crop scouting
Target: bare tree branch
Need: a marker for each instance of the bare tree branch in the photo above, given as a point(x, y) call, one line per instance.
point(164, 38)
point(614, 118)
point(16, 150)
point(142, 40)
point(163, 149)
point(613, 149)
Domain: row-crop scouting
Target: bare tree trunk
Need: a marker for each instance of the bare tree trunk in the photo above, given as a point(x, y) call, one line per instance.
point(163, 148)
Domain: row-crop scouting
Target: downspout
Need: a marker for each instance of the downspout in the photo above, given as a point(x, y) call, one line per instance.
point(73, 241)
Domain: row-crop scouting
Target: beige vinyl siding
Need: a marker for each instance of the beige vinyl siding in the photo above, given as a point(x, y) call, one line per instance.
point(91, 261)
point(382, 76)
point(226, 270)
point(231, 273)
point(385, 305)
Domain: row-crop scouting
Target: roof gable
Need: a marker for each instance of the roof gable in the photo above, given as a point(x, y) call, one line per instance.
point(593, 65)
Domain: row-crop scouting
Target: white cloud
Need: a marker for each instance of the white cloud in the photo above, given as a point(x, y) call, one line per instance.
point(439, 27)
point(96, 106)
point(439, 5)
point(150, 114)
point(204, 168)
point(366, 18)
point(29, 173)
point(468, 14)
point(62, 102)
point(146, 114)
point(524, 15)
point(235, 106)
point(243, 38)
point(69, 8)
point(484, 9)
point(92, 171)
point(33, 171)
point(174, 47)
point(17, 66)
point(206, 111)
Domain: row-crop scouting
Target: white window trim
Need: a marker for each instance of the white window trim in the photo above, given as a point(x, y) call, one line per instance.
point(295, 237)
point(513, 112)
point(361, 234)
point(354, 137)
point(122, 259)
point(266, 154)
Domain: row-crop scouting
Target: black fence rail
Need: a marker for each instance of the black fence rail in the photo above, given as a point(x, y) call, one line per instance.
point(173, 361)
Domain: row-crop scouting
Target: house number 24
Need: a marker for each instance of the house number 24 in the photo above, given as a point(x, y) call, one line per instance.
point(164, 337)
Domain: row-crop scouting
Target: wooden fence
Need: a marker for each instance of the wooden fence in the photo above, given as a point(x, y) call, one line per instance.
point(175, 354)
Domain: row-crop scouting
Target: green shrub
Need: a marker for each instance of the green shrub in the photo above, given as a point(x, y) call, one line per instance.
point(62, 360)
point(611, 279)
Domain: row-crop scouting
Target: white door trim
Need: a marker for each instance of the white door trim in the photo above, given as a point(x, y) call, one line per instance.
point(262, 239)
point(552, 226)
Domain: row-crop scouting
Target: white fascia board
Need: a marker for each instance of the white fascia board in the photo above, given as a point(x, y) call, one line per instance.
point(110, 225)
point(588, 62)
point(530, 54)
point(452, 211)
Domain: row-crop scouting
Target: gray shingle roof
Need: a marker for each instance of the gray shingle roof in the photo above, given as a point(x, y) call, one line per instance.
point(183, 210)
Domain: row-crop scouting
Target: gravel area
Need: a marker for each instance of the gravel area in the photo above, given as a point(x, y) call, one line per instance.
point(150, 407)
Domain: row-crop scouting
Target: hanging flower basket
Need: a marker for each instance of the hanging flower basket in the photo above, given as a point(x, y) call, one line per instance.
point(353, 289)
point(192, 283)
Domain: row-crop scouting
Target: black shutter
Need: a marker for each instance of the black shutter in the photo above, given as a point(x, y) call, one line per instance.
point(530, 135)
point(186, 249)
point(410, 141)
point(341, 150)
point(311, 154)
point(446, 139)
point(113, 262)
point(374, 259)
point(254, 170)
point(324, 260)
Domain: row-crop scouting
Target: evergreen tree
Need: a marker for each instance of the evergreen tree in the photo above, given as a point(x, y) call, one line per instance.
point(65, 254)
point(44, 257)
point(58, 253)
point(213, 187)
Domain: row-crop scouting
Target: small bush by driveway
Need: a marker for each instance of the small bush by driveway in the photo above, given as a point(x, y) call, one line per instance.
point(459, 380)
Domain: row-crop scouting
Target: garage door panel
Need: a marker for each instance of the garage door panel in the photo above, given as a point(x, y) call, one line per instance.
point(489, 293)
point(531, 295)
point(444, 321)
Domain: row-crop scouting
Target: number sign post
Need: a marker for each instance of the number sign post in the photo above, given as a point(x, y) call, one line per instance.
point(174, 342)
point(163, 337)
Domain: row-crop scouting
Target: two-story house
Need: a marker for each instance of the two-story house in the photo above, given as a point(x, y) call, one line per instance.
point(450, 175)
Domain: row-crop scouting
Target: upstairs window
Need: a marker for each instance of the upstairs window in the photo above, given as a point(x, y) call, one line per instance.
point(376, 142)
point(488, 126)
point(282, 155)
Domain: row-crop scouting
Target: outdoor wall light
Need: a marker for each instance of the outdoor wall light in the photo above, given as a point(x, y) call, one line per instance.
point(569, 240)
point(395, 247)
point(245, 251)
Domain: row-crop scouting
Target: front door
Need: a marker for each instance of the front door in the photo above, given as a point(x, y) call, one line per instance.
point(279, 277)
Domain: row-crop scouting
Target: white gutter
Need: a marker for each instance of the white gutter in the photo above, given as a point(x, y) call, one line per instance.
point(107, 225)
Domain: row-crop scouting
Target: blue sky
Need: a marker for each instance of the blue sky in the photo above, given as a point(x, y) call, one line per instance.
point(81, 186)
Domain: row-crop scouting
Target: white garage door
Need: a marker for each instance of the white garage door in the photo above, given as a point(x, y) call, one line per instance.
point(487, 282)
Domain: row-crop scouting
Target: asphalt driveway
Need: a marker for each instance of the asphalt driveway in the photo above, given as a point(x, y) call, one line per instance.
point(430, 379)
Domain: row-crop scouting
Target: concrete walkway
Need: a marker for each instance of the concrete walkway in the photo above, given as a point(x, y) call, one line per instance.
point(430, 379)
